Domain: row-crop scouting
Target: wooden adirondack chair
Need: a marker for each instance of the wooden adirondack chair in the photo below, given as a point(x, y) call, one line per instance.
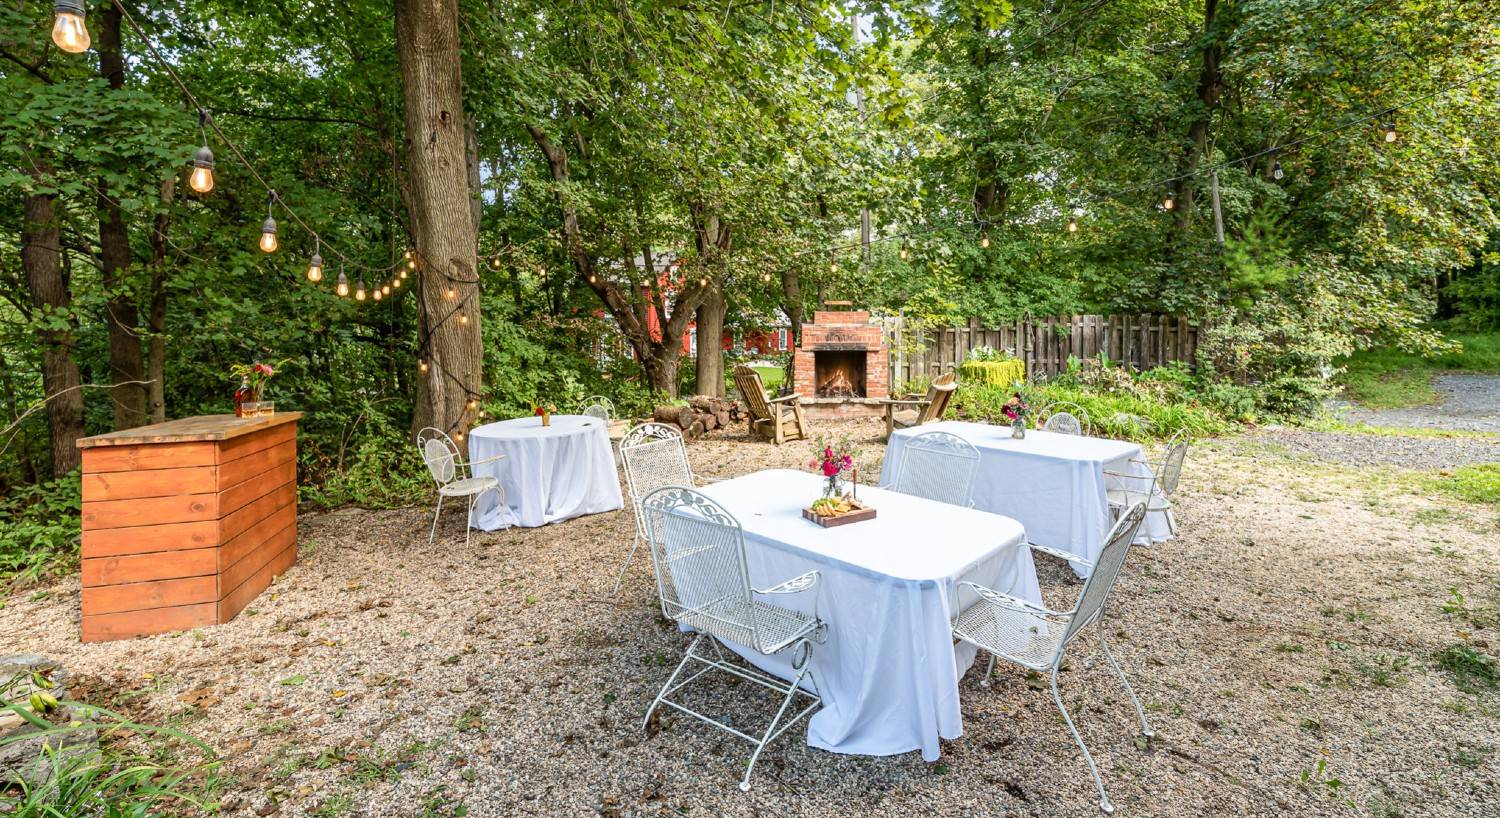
point(912, 410)
point(779, 419)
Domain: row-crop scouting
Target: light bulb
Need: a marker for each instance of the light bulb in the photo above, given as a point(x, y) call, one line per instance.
point(833, 267)
point(463, 317)
point(984, 241)
point(343, 285)
point(452, 293)
point(68, 31)
point(702, 282)
point(385, 288)
point(421, 364)
point(359, 292)
point(1390, 132)
point(1276, 171)
point(458, 437)
point(473, 403)
point(202, 178)
point(408, 254)
point(495, 263)
point(1168, 203)
point(268, 235)
point(403, 274)
point(593, 279)
point(411, 265)
point(315, 267)
point(766, 277)
point(905, 252)
point(1073, 224)
point(376, 294)
point(396, 282)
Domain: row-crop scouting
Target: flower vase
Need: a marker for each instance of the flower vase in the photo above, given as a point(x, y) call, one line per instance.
point(1018, 429)
point(833, 487)
point(546, 418)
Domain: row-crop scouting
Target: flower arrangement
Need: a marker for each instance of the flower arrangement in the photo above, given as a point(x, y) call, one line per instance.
point(254, 377)
point(832, 459)
point(1017, 410)
point(544, 411)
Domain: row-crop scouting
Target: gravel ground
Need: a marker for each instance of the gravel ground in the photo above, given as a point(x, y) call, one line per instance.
point(1355, 449)
point(1284, 647)
point(1468, 403)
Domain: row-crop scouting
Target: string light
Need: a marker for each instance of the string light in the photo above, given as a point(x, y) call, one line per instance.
point(495, 263)
point(68, 30)
point(403, 274)
point(463, 317)
point(421, 364)
point(359, 292)
point(1170, 202)
point(702, 282)
point(1072, 224)
point(1390, 125)
point(766, 277)
point(458, 437)
point(593, 279)
point(408, 255)
point(376, 293)
point(343, 285)
point(268, 227)
point(452, 293)
point(473, 404)
point(386, 288)
point(833, 266)
point(1276, 172)
point(905, 251)
point(984, 240)
point(202, 177)
point(315, 264)
point(411, 265)
point(396, 282)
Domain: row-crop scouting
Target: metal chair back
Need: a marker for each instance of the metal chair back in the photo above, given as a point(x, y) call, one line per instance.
point(1107, 568)
point(1171, 465)
point(440, 454)
point(654, 456)
point(698, 550)
point(599, 407)
point(938, 466)
point(1067, 418)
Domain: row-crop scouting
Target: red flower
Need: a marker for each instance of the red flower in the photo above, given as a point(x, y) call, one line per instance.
point(829, 469)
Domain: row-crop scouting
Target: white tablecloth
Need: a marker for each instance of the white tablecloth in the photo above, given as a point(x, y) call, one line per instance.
point(549, 473)
point(1053, 483)
point(889, 671)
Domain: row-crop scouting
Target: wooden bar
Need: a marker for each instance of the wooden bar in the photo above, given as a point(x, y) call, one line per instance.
point(185, 522)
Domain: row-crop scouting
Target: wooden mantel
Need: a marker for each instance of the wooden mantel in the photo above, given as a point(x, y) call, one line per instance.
point(185, 522)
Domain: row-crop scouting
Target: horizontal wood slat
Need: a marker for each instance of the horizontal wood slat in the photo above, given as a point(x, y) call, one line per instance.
point(126, 624)
point(136, 458)
point(236, 600)
point(113, 542)
point(234, 549)
point(250, 444)
point(131, 485)
point(182, 508)
point(235, 575)
point(255, 511)
point(162, 593)
point(143, 567)
point(241, 469)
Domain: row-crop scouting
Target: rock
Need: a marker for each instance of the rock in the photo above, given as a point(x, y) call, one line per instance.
point(21, 759)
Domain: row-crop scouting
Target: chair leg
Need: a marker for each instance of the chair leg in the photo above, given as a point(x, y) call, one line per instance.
point(1104, 804)
point(469, 519)
point(671, 679)
point(435, 514)
point(635, 542)
point(791, 693)
point(1145, 725)
point(988, 671)
point(1171, 523)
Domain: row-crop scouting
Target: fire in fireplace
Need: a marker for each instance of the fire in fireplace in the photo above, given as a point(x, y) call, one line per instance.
point(839, 374)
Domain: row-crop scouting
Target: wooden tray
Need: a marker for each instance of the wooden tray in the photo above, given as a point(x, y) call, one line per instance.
point(843, 519)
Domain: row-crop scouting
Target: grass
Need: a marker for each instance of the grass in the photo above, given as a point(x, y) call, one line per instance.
point(1391, 379)
point(1476, 484)
point(1473, 671)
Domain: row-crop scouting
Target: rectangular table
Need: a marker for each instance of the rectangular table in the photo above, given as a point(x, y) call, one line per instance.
point(889, 671)
point(1053, 483)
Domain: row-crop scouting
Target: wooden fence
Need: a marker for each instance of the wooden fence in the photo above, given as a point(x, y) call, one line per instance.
point(1045, 344)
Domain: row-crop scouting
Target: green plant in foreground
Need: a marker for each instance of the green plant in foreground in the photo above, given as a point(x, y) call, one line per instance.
point(1473, 671)
point(1476, 484)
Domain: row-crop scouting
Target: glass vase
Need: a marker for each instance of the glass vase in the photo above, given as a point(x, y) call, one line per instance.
point(1018, 429)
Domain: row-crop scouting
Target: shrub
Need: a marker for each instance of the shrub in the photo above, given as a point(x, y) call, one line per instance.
point(39, 529)
point(1110, 415)
point(992, 372)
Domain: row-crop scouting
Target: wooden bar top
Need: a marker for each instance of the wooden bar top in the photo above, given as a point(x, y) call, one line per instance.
point(187, 430)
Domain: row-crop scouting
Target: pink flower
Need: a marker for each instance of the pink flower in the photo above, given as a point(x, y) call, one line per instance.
point(828, 452)
point(829, 469)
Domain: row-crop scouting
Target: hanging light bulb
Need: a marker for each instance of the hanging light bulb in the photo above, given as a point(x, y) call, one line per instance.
point(202, 177)
point(315, 264)
point(905, 251)
point(343, 285)
point(473, 404)
point(408, 254)
point(766, 277)
point(1072, 224)
point(833, 266)
point(396, 282)
point(495, 263)
point(984, 240)
point(452, 293)
point(268, 227)
point(1276, 172)
point(68, 30)
point(421, 364)
point(403, 274)
point(593, 279)
point(376, 293)
point(411, 265)
point(463, 317)
point(1170, 202)
point(702, 282)
point(458, 437)
point(385, 288)
point(359, 292)
point(1390, 127)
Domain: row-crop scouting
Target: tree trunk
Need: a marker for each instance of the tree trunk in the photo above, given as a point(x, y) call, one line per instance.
point(471, 167)
point(1210, 91)
point(128, 395)
point(791, 303)
point(710, 364)
point(61, 384)
point(156, 319)
point(442, 220)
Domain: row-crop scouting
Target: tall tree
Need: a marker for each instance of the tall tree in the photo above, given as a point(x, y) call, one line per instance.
point(51, 298)
point(439, 206)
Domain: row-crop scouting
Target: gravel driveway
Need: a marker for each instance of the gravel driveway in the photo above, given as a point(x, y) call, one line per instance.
point(1468, 403)
point(1284, 648)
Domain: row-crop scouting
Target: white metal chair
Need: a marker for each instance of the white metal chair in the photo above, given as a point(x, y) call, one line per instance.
point(1035, 637)
point(599, 407)
point(654, 456)
point(1156, 490)
point(1066, 418)
point(454, 477)
point(938, 466)
point(698, 550)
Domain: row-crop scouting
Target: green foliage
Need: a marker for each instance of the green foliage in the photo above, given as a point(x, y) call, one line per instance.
point(1475, 484)
point(1136, 416)
point(1472, 670)
point(1391, 378)
point(992, 373)
point(39, 529)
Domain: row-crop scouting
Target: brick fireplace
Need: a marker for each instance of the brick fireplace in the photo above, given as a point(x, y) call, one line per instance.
point(841, 367)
